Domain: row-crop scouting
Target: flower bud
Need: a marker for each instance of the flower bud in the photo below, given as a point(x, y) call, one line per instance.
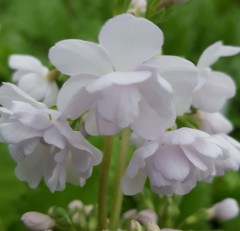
point(224, 210)
point(37, 221)
point(146, 216)
point(152, 227)
point(75, 205)
point(88, 209)
point(135, 226)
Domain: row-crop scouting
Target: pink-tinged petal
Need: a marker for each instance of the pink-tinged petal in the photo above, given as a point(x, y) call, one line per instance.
point(149, 124)
point(26, 63)
point(214, 52)
point(15, 132)
point(130, 41)
point(171, 162)
point(33, 167)
point(96, 125)
point(118, 78)
point(195, 158)
point(75, 57)
point(213, 94)
point(214, 123)
point(183, 136)
point(73, 99)
point(131, 186)
point(119, 105)
point(51, 94)
point(9, 92)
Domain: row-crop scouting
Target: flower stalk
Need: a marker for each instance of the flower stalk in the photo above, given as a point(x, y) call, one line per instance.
point(118, 196)
point(103, 183)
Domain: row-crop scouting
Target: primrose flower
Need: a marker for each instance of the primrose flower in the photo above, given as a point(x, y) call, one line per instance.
point(175, 164)
point(34, 78)
point(42, 143)
point(214, 87)
point(115, 86)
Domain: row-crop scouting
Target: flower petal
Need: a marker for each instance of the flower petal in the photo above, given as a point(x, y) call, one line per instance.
point(214, 52)
point(73, 99)
point(130, 41)
point(75, 57)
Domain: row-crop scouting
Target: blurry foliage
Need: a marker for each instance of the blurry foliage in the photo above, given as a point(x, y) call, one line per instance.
point(32, 27)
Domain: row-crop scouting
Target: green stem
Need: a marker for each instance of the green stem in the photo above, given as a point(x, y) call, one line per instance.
point(102, 193)
point(117, 196)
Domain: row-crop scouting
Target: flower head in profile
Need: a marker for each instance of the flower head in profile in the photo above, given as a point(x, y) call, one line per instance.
point(116, 82)
point(174, 165)
point(42, 143)
point(34, 78)
point(214, 87)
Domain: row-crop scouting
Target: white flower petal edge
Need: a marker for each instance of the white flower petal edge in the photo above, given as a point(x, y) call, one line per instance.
point(130, 41)
point(214, 52)
point(42, 143)
point(32, 77)
point(177, 162)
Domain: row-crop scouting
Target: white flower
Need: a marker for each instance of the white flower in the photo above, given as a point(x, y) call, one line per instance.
point(214, 87)
point(214, 123)
point(37, 221)
point(34, 78)
point(42, 143)
point(174, 164)
point(224, 210)
point(145, 216)
point(112, 82)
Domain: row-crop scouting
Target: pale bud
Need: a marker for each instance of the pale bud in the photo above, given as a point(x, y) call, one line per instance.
point(135, 226)
point(88, 209)
point(152, 227)
point(141, 5)
point(224, 210)
point(37, 221)
point(130, 213)
point(146, 216)
point(75, 205)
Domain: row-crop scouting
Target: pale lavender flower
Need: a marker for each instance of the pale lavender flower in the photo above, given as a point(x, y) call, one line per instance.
point(214, 87)
point(175, 164)
point(145, 216)
point(37, 221)
point(224, 210)
point(42, 143)
point(112, 82)
point(33, 78)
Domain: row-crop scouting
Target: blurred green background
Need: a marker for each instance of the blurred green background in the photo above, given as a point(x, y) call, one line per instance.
point(33, 26)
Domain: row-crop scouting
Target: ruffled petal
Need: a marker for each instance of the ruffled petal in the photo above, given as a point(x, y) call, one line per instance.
point(213, 94)
point(75, 57)
point(214, 52)
point(73, 99)
point(9, 92)
point(130, 41)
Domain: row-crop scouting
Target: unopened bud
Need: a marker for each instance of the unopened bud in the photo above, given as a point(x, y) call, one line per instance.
point(224, 210)
point(88, 209)
point(37, 221)
point(75, 205)
point(146, 216)
point(135, 226)
point(152, 227)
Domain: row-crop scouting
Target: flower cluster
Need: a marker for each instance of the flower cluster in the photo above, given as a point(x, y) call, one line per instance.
point(124, 81)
